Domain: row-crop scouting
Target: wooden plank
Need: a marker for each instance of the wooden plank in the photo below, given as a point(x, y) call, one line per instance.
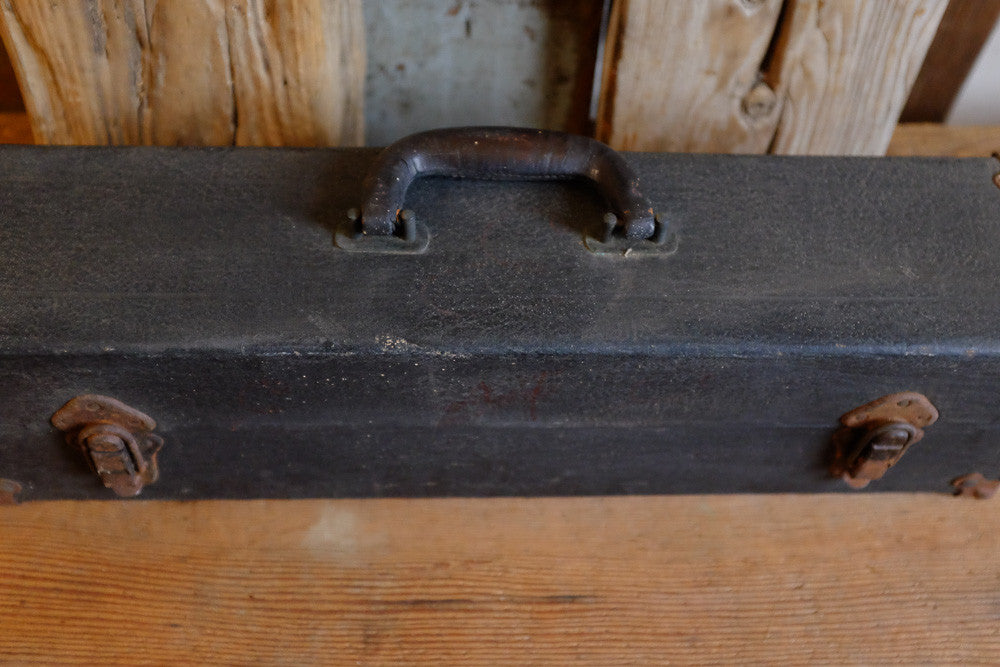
point(205, 73)
point(746, 579)
point(827, 78)
point(684, 76)
point(843, 70)
point(15, 128)
point(908, 139)
point(964, 29)
point(911, 139)
point(298, 72)
point(504, 62)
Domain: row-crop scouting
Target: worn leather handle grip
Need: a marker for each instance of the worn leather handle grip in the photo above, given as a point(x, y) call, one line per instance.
point(506, 153)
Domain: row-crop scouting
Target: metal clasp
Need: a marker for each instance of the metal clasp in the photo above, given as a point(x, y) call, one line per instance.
point(876, 435)
point(975, 485)
point(115, 439)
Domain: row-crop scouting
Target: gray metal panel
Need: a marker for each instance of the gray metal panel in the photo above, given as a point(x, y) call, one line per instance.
point(503, 62)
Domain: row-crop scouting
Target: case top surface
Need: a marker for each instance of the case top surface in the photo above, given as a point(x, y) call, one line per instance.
point(147, 249)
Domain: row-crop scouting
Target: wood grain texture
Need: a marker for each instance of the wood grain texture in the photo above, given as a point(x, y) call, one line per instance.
point(204, 72)
point(843, 70)
point(298, 72)
point(812, 77)
point(964, 29)
point(746, 579)
point(683, 76)
point(912, 139)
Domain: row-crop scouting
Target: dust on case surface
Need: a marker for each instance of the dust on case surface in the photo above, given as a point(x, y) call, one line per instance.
point(203, 287)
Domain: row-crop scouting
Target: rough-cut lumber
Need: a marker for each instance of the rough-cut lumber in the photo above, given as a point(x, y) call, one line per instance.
point(732, 76)
point(204, 72)
point(843, 70)
point(870, 579)
point(298, 72)
point(683, 76)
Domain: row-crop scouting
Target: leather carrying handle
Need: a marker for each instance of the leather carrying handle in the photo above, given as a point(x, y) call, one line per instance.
point(501, 153)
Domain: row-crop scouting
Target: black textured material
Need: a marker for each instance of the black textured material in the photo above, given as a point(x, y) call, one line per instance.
point(202, 287)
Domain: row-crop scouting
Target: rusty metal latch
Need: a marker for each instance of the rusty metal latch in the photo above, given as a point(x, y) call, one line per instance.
point(876, 435)
point(975, 485)
point(8, 491)
point(115, 439)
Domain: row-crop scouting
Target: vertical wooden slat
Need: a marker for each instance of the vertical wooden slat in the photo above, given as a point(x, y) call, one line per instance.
point(207, 72)
point(964, 29)
point(827, 77)
point(299, 72)
point(185, 85)
point(683, 76)
point(45, 73)
point(843, 70)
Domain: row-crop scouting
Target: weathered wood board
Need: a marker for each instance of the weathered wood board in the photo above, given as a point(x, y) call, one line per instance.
point(843, 70)
point(723, 580)
point(190, 73)
point(733, 76)
point(913, 139)
point(684, 76)
point(801, 77)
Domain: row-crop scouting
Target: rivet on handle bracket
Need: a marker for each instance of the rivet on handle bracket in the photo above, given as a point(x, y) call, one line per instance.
point(874, 436)
point(116, 440)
